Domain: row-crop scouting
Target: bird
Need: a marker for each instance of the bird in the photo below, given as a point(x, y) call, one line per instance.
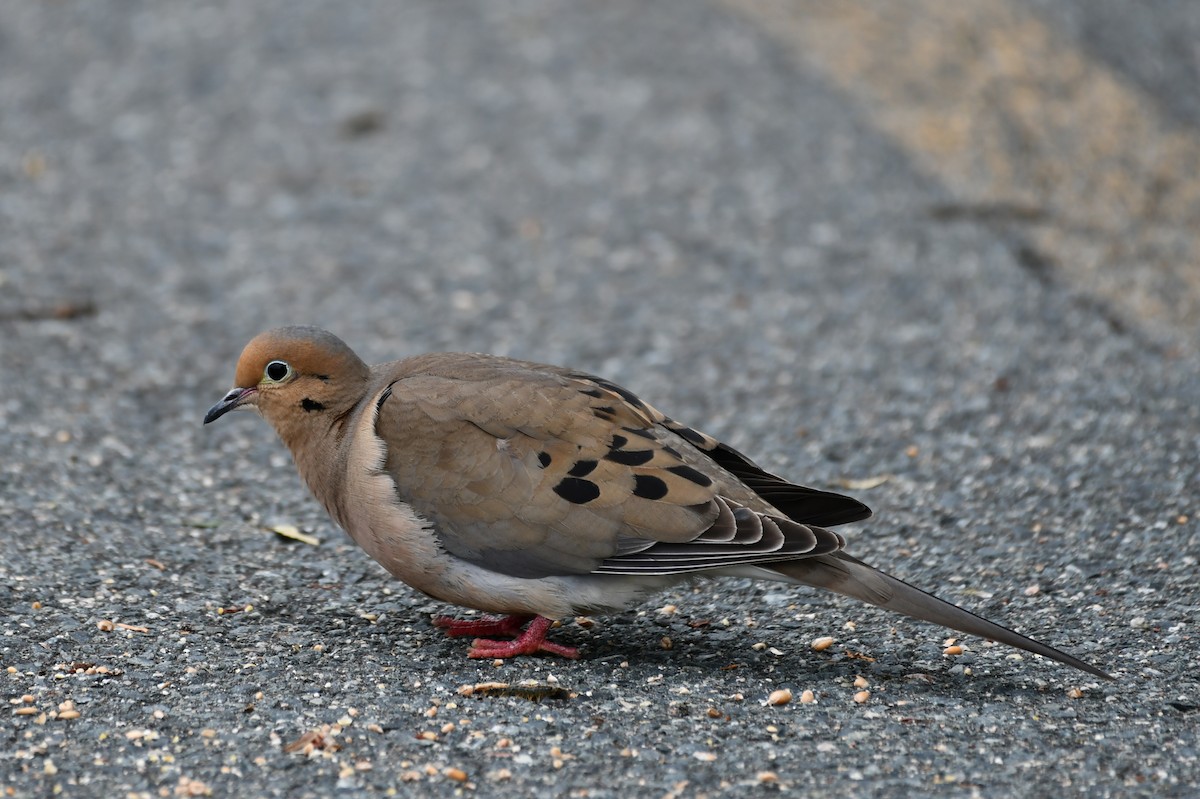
point(538, 493)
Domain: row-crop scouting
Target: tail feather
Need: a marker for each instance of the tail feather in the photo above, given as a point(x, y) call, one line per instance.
point(849, 576)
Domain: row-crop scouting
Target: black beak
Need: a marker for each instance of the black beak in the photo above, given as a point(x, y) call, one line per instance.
point(229, 402)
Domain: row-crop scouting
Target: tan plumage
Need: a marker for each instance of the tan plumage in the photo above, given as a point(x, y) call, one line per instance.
point(542, 492)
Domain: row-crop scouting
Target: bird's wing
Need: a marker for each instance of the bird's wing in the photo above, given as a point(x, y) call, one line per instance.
point(532, 471)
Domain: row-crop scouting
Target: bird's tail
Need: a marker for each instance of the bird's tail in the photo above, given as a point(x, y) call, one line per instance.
point(846, 575)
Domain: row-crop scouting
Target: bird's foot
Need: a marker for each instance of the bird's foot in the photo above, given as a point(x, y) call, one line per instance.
point(488, 625)
point(530, 641)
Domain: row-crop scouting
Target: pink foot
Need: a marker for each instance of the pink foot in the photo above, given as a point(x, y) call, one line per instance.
point(528, 642)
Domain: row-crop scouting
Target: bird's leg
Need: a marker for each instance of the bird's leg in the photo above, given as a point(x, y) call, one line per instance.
point(488, 625)
point(529, 642)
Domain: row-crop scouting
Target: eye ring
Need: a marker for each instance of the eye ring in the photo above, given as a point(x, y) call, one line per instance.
point(277, 371)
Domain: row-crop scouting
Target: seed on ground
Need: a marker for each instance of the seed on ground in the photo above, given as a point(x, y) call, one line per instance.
point(780, 696)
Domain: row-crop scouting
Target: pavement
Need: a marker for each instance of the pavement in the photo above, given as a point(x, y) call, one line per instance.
point(944, 260)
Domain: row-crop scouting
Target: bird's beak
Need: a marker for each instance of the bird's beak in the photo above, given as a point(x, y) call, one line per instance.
point(236, 398)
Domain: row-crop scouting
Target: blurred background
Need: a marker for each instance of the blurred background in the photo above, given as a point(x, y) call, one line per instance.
point(945, 257)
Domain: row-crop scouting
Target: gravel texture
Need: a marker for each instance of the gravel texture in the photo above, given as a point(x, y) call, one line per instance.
point(653, 192)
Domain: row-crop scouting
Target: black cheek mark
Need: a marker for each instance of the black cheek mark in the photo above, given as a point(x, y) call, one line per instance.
point(688, 473)
point(311, 405)
point(648, 486)
point(582, 468)
point(630, 457)
point(572, 489)
point(322, 378)
point(544, 459)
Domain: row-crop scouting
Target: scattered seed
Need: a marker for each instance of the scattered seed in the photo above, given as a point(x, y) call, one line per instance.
point(133, 628)
point(105, 626)
point(862, 696)
point(779, 697)
point(713, 713)
point(27, 699)
point(706, 757)
point(500, 774)
point(1033, 590)
point(953, 650)
point(427, 735)
point(760, 646)
point(860, 682)
point(808, 697)
point(666, 642)
point(768, 777)
point(456, 774)
point(293, 532)
point(1075, 693)
point(27, 710)
point(822, 643)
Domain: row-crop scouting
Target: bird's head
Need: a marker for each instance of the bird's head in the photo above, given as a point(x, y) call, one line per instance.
point(292, 374)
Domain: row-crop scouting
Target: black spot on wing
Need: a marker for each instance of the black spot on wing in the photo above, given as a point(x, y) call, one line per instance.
point(625, 394)
point(544, 459)
point(647, 486)
point(691, 436)
point(582, 468)
point(619, 441)
point(643, 433)
point(580, 492)
point(634, 457)
point(688, 473)
point(592, 392)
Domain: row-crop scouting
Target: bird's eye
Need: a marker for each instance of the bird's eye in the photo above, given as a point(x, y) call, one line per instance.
point(277, 371)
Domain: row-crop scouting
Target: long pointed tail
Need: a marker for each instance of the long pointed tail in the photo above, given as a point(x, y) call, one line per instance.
point(846, 575)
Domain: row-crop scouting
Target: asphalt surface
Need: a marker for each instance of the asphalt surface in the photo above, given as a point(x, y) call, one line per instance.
point(676, 196)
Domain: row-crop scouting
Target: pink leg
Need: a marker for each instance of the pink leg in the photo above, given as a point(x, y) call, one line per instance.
point(488, 625)
point(528, 642)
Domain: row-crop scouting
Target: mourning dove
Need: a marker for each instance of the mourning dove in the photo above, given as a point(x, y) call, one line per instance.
point(540, 492)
